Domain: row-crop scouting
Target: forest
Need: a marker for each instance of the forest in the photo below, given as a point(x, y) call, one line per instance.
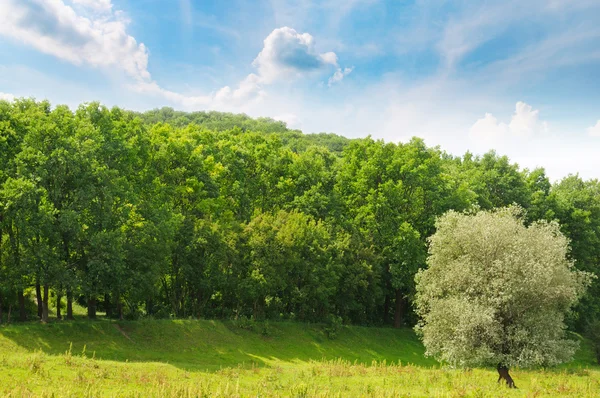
point(167, 214)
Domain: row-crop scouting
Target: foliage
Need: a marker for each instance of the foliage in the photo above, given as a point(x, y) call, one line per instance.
point(496, 291)
point(168, 214)
point(245, 323)
point(333, 326)
point(593, 333)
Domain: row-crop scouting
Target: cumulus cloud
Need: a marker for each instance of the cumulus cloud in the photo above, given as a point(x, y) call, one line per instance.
point(53, 27)
point(339, 75)
point(524, 123)
point(247, 89)
point(594, 131)
point(488, 128)
point(287, 53)
point(6, 96)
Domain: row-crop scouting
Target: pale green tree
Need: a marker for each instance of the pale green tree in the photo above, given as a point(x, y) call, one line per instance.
point(496, 292)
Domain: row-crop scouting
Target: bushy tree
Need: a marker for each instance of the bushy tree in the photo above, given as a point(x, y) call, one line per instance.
point(289, 267)
point(496, 292)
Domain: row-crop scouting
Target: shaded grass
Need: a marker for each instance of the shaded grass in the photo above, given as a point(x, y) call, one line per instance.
point(211, 345)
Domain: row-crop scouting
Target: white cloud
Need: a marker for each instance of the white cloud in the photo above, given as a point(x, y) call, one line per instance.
point(6, 96)
point(339, 75)
point(329, 58)
point(488, 128)
point(594, 131)
point(287, 53)
point(290, 119)
point(524, 123)
point(248, 89)
point(55, 28)
point(188, 102)
point(248, 92)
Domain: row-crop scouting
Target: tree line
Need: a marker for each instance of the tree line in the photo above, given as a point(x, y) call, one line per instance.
point(212, 215)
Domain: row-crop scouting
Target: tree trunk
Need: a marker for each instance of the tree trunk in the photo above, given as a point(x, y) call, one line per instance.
point(45, 305)
point(199, 305)
point(8, 317)
point(22, 313)
point(108, 305)
point(14, 243)
point(1, 305)
point(38, 296)
point(386, 309)
point(399, 311)
point(504, 375)
point(58, 306)
point(70, 305)
point(120, 310)
point(92, 308)
point(149, 307)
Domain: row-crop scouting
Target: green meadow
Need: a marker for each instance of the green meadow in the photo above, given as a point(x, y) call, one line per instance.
point(203, 358)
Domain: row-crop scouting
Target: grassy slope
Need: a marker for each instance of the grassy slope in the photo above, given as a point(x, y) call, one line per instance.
point(179, 358)
point(211, 345)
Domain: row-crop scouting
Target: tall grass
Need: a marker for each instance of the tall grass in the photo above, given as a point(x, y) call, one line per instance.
point(95, 359)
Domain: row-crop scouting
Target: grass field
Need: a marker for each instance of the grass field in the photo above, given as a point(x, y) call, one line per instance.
point(223, 359)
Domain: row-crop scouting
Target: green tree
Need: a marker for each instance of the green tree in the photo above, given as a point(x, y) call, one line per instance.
point(576, 204)
point(496, 292)
point(289, 267)
point(392, 194)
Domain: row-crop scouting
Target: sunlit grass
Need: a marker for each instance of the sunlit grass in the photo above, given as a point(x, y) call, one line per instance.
point(218, 359)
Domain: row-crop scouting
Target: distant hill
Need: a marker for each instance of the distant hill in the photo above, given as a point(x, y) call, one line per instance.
point(222, 121)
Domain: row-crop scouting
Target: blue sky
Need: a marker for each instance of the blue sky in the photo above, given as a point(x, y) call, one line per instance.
point(522, 77)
